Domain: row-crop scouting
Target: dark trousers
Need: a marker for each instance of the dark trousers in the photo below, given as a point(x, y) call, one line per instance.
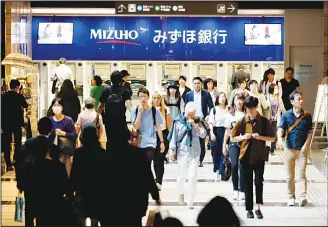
point(159, 158)
point(29, 210)
point(202, 150)
point(274, 144)
point(216, 147)
point(150, 151)
point(237, 179)
point(7, 138)
point(248, 169)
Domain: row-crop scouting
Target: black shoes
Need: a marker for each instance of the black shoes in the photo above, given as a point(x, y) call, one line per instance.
point(250, 214)
point(258, 213)
point(201, 164)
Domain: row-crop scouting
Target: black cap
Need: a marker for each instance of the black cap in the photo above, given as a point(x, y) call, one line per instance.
point(172, 85)
point(125, 73)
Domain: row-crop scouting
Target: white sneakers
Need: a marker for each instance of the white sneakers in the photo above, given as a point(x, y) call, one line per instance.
point(302, 202)
point(241, 196)
point(235, 195)
point(291, 202)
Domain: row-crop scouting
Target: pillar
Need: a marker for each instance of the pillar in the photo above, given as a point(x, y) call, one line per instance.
point(325, 38)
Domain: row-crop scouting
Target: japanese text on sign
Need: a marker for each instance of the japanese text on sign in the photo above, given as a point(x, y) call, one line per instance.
point(190, 36)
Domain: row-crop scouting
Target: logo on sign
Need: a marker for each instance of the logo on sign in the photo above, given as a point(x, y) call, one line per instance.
point(114, 36)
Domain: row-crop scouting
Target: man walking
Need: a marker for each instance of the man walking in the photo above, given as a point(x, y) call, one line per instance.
point(204, 104)
point(296, 125)
point(12, 120)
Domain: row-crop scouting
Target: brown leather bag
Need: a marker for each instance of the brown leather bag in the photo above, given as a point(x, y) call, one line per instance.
point(135, 138)
point(296, 123)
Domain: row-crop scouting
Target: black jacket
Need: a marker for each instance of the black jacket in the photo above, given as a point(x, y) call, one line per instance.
point(127, 86)
point(183, 96)
point(128, 185)
point(32, 151)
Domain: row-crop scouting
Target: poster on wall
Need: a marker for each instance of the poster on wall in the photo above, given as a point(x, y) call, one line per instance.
point(171, 71)
point(305, 72)
point(207, 71)
point(137, 71)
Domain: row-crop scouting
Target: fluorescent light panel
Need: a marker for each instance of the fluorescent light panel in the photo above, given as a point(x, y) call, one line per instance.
point(111, 11)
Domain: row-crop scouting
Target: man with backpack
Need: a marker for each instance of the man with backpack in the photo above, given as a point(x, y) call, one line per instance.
point(32, 151)
point(147, 120)
point(114, 99)
point(252, 132)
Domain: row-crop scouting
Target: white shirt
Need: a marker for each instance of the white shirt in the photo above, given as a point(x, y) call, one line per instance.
point(231, 121)
point(62, 72)
point(198, 101)
point(181, 90)
point(220, 117)
point(267, 85)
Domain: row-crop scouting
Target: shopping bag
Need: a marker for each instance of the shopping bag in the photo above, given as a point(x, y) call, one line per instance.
point(19, 208)
point(226, 169)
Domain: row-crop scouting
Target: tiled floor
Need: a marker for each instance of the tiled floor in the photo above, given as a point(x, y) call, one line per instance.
point(275, 210)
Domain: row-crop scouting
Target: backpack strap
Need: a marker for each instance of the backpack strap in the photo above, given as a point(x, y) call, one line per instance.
point(136, 113)
point(214, 111)
point(243, 125)
point(153, 110)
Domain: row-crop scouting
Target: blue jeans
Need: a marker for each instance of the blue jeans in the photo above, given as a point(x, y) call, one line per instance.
point(217, 153)
point(238, 181)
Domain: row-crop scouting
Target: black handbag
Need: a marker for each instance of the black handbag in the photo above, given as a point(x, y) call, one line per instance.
point(66, 146)
point(226, 169)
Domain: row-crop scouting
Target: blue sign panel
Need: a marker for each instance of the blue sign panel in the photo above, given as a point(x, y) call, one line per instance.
point(154, 38)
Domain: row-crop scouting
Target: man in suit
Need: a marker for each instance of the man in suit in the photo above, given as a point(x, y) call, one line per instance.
point(204, 104)
point(237, 75)
point(33, 150)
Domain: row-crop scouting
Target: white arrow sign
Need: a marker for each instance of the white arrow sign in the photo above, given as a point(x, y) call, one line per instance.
point(232, 8)
point(121, 8)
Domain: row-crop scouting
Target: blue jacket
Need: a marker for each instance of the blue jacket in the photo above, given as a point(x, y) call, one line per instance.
point(207, 103)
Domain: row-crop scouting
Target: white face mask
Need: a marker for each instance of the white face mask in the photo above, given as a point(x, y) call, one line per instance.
point(57, 109)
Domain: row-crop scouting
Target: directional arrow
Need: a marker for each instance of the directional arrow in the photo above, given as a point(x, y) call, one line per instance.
point(232, 8)
point(121, 8)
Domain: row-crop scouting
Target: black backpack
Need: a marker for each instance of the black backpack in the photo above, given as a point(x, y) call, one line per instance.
point(153, 110)
point(115, 106)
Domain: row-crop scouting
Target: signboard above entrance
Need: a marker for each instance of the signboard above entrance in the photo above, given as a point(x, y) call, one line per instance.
point(176, 8)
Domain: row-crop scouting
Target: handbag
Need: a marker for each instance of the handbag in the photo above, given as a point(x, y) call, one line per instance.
point(226, 169)
point(135, 138)
point(19, 208)
point(66, 146)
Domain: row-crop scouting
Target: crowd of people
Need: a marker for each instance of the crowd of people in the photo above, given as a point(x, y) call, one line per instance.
point(66, 174)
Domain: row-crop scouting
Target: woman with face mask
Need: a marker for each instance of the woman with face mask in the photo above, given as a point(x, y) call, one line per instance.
point(62, 127)
point(276, 109)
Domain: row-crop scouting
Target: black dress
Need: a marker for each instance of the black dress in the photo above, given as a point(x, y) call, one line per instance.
point(71, 104)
